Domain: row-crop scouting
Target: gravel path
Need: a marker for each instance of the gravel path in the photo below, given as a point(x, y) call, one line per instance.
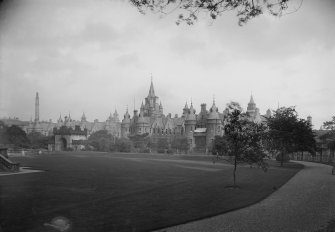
point(305, 203)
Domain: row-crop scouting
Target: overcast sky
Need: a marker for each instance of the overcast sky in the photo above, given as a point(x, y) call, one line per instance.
point(96, 56)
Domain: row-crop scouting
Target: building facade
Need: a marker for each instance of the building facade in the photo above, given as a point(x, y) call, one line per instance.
point(199, 129)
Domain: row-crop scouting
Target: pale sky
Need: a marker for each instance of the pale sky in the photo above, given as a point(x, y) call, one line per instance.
point(95, 56)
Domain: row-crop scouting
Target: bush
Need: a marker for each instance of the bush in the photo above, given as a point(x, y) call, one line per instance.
point(170, 151)
point(144, 150)
point(161, 150)
point(286, 158)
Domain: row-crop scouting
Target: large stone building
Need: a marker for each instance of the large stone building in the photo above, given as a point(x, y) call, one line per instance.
point(199, 129)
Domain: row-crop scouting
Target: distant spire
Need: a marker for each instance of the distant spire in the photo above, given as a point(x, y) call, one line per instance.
point(151, 90)
point(83, 117)
point(252, 100)
point(186, 106)
point(37, 108)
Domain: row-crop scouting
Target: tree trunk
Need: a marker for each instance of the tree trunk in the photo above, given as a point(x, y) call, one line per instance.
point(282, 159)
point(302, 156)
point(235, 165)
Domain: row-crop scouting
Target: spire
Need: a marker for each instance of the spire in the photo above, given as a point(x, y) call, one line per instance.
point(37, 108)
point(186, 106)
point(115, 113)
point(160, 105)
point(252, 100)
point(151, 90)
point(83, 117)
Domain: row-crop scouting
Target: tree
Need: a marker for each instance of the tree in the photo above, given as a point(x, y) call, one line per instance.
point(329, 137)
point(162, 145)
point(220, 146)
point(190, 9)
point(330, 125)
point(287, 133)
point(243, 140)
point(180, 143)
point(38, 140)
point(304, 137)
point(101, 140)
point(123, 145)
point(16, 136)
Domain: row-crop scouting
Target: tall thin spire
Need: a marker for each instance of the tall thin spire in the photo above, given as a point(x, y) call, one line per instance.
point(151, 90)
point(37, 108)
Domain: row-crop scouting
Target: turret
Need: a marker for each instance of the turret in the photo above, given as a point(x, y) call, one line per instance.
point(268, 113)
point(125, 125)
point(190, 123)
point(213, 124)
point(83, 117)
point(309, 119)
point(116, 116)
point(251, 109)
point(185, 110)
point(142, 125)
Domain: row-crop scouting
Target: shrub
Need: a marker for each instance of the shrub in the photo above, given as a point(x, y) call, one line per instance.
point(170, 151)
point(286, 158)
point(161, 150)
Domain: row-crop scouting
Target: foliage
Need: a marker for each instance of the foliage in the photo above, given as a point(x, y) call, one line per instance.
point(101, 140)
point(123, 145)
point(284, 158)
point(220, 146)
point(243, 140)
point(180, 144)
point(330, 125)
point(287, 133)
point(328, 139)
point(141, 141)
point(162, 143)
point(245, 9)
point(14, 135)
point(304, 137)
point(38, 140)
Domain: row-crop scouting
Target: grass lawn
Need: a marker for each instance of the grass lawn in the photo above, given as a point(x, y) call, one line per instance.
point(128, 192)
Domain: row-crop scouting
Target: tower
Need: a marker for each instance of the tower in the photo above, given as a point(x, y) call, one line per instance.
point(151, 107)
point(309, 120)
point(213, 124)
point(125, 125)
point(190, 123)
point(185, 110)
point(37, 108)
point(251, 109)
